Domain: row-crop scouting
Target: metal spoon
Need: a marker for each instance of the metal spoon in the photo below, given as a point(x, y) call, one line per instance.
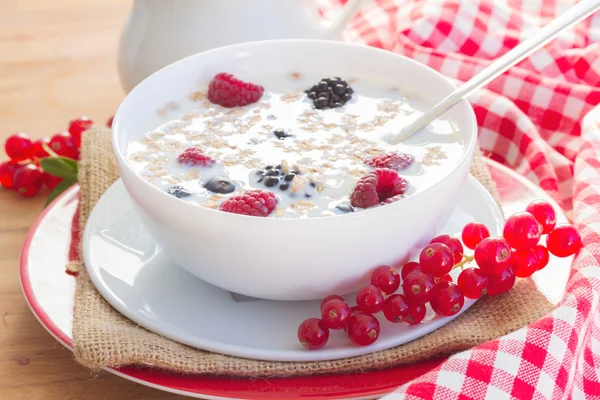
point(575, 14)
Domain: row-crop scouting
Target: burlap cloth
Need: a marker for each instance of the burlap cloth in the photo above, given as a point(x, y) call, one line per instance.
point(102, 337)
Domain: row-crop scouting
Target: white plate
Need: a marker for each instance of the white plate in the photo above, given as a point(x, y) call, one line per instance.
point(136, 278)
point(49, 293)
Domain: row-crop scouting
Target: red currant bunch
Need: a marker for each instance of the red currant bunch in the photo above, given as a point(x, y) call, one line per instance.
point(24, 171)
point(428, 283)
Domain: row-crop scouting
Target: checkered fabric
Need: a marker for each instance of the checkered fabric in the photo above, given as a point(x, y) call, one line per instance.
point(538, 119)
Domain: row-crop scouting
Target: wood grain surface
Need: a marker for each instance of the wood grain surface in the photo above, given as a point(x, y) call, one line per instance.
point(57, 61)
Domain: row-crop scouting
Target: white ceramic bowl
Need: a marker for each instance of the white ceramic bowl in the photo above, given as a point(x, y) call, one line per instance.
point(313, 257)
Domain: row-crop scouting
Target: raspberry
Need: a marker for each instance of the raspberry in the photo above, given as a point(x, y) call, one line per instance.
point(228, 91)
point(258, 203)
point(376, 187)
point(395, 161)
point(195, 156)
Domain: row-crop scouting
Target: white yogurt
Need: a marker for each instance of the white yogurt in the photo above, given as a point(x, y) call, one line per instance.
point(328, 147)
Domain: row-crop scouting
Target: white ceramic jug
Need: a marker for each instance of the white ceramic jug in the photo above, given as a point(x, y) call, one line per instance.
point(159, 32)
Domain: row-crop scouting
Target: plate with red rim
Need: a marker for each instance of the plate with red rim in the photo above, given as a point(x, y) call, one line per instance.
point(49, 292)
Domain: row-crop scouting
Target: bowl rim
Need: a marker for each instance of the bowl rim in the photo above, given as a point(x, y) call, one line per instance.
point(377, 52)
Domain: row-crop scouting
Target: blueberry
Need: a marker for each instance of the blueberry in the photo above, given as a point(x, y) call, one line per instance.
point(271, 181)
point(345, 208)
point(289, 177)
point(272, 172)
point(219, 184)
point(179, 192)
point(284, 186)
point(269, 167)
point(281, 134)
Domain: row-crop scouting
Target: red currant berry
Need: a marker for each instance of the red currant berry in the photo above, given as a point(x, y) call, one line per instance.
point(28, 180)
point(370, 299)
point(544, 213)
point(63, 144)
point(386, 278)
point(335, 314)
point(501, 282)
point(51, 181)
point(418, 286)
point(563, 241)
point(454, 244)
point(7, 172)
point(473, 233)
point(78, 126)
point(447, 299)
point(493, 255)
point(522, 231)
point(38, 148)
point(19, 147)
point(524, 262)
point(542, 255)
point(110, 122)
point(473, 283)
point(416, 312)
point(313, 334)
point(408, 268)
point(353, 310)
point(436, 259)
point(330, 297)
point(396, 308)
point(363, 329)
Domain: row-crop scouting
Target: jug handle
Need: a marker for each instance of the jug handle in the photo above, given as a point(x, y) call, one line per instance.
point(338, 25)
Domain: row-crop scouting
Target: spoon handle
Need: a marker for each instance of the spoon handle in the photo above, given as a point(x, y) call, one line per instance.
point(575, 14)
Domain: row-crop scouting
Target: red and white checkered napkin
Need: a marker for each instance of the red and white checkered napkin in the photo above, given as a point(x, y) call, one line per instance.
point(538, 119)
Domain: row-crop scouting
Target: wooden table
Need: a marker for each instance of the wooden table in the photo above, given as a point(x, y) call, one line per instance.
point(57, 61)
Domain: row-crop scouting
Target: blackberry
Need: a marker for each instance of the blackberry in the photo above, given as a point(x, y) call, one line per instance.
point(219, 184)
point(281, 134)
point(330, 93)
point(178, 192)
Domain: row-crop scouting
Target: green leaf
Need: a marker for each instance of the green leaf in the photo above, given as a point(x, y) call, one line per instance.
point(61, 167)
point(58, 189)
